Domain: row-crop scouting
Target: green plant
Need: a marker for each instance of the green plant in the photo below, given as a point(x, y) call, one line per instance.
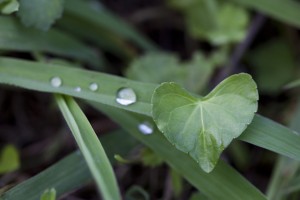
point(186, 130)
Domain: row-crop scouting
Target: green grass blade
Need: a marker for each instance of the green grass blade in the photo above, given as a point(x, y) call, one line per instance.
point(66, 175)
point(90, 147)
point(270, 135)
point(106, 20)
point(293, 186)
point(14, 36)
point(286, 11)
point(36, 76)
point(282, 184)
point(293, 84)
point(222, 183)
point(69, 173)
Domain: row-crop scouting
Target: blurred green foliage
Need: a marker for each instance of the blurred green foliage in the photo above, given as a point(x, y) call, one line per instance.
point(274, 65)
point(9, 159)
point(49, 194)
point(218, 22)
point(40, 14)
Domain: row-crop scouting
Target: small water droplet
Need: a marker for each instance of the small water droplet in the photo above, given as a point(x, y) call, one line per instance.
point(77, 89)
point(146, 128)
point(56, 81)
point(93, 86)
point(126, 96)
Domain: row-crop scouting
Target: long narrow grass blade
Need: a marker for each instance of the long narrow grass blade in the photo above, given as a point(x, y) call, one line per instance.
point(293, 186)
point(69, 173)
point(14, 36)
point(66, 175)
point(36, 76)
point(222, 183)
point(270, 135)
point(282, 183)
point(286, 11)
point(293, 84)
point(90, 147)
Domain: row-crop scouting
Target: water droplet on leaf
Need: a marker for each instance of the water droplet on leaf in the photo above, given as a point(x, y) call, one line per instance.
point(146, 128)
point(77, 89)
point(93, 87)
point(56, 81)
point(126, 96)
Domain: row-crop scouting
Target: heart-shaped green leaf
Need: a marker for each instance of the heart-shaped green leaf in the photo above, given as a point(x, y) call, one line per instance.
point(203, 127)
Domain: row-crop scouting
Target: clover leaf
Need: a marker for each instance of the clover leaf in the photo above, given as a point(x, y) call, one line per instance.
point(203, 127)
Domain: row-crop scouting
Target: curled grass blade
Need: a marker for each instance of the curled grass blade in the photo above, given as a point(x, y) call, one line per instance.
point(90, 147)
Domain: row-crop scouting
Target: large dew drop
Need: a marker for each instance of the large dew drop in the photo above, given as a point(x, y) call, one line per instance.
point(93, 87)
point(126, 96)
point(56, 81)
point(146, 128)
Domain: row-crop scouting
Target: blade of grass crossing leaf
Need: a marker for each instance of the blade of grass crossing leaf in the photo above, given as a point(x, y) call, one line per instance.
point(36, 76)
point(69, 173)
point(222, 183)
point(286, 11)
point(90, 147)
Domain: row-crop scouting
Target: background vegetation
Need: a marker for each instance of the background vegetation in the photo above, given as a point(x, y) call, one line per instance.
point(92, 49)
